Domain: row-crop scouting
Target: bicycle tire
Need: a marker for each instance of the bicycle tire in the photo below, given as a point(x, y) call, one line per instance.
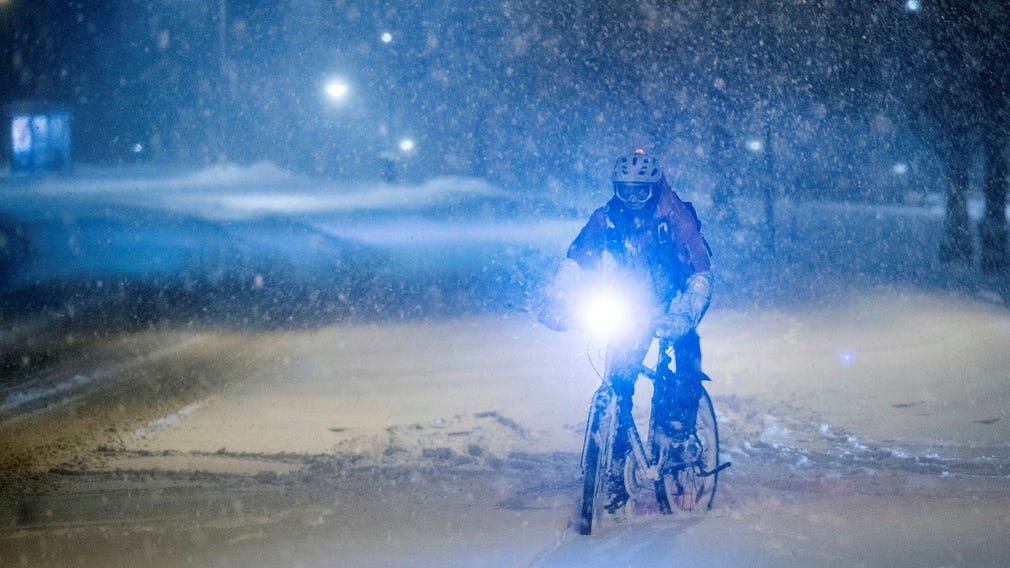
point(692, 487)
point(596, 458)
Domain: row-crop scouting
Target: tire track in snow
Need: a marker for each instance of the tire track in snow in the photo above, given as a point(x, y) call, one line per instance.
point(54, 391)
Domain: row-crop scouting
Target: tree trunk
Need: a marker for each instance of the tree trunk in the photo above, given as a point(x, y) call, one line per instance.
point(994, 224)
point(956, 245)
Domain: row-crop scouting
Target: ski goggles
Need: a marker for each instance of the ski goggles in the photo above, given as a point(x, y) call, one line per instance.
point(633, 191)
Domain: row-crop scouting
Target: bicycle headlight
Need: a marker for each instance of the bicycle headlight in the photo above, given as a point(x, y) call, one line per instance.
point(606, 313)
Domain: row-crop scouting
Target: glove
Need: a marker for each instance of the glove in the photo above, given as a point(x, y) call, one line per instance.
point(550, 318)
point(687, 309)
point(566, 281)
point(673, 326)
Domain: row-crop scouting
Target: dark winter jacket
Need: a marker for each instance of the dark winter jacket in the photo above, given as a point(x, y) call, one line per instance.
point(662, 243)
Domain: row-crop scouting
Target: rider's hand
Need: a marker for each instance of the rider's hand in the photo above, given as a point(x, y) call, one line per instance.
point(674, 326)
point(566, 281)
point(686, 309)
point(553, 320)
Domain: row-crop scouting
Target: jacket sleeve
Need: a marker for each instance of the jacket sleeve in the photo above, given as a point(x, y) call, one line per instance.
point(588, 246)
point(685, 227)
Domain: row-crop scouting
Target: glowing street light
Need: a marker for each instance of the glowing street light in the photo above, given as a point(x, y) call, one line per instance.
point(337, 90)
point(407, 145)
point(386, 37)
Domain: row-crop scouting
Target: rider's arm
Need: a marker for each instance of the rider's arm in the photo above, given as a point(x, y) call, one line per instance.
point(587, 248)
point(693, 303)
point(687, 308)
point(584, 253)
point(684, 226)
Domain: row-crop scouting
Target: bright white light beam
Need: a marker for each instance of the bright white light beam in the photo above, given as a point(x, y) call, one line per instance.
point(337, 90)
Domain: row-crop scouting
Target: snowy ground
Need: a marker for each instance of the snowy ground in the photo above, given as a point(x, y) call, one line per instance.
point(861, 389)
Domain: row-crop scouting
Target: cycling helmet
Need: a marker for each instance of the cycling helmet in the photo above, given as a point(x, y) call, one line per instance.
point(637, 167)
point(635, 177)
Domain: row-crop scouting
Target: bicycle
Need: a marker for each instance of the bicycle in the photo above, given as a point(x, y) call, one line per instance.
point(682, 462)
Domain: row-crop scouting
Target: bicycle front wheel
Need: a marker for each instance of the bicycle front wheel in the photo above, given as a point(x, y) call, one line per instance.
point(689, 472)
point(596, 456)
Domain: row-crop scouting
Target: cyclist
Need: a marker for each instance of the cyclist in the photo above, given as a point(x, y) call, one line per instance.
point(651, 242)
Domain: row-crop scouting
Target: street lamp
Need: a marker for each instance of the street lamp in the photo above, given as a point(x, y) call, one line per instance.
point(337, 90)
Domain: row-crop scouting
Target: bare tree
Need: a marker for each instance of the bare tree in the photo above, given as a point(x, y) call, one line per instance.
point(957, 87)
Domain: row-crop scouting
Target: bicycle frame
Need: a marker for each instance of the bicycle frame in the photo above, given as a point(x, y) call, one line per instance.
point(650, 464)
point(646, 465)
point(680, 457)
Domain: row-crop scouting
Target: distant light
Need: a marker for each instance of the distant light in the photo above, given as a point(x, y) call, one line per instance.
point(138, 148)
point(847, 357)
point(899, 169)
point(755, 145)
point(386, 37)
point(913, 5)
point(407, 145)
point(21, 134)
point(337, 90)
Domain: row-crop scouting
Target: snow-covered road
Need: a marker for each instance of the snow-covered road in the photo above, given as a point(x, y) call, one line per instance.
point(455, 443)
point(295, 417)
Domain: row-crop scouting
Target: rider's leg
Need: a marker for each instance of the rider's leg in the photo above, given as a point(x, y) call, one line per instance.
point(687, 353)
point(624, 389)
point(625, 363)
point(617, 490)
point(682, 390)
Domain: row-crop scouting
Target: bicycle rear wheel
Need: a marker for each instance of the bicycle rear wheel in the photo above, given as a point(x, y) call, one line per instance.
point(689, 472)
point(596, 456)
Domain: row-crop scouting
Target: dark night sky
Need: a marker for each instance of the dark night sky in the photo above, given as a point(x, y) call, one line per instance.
point(496, 89)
